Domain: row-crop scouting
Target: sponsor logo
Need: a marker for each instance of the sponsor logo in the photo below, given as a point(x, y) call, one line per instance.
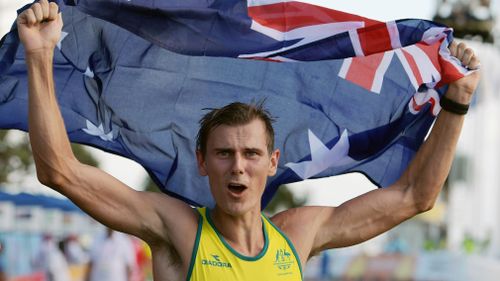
point(215, 261)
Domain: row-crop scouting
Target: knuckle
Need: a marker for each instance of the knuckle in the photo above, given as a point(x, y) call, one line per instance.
point(53, 7)
point(30, 13)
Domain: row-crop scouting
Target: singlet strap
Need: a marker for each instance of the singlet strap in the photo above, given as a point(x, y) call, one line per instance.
point(195, 246)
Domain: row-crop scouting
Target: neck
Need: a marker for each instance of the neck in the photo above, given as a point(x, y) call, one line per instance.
point(244, 233)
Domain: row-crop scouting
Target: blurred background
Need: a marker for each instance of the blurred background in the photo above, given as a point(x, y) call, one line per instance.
point(41, 232)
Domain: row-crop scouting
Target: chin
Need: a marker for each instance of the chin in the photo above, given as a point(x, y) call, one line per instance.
point(236, 208)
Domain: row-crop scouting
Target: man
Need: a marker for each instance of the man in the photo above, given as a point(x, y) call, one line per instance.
point(232, 241)
point(51, 260)
point(3, 273)
point(111, 258)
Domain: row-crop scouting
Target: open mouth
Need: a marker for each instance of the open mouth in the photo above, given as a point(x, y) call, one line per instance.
point(236, 188)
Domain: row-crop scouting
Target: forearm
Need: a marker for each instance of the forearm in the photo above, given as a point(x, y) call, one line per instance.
point(429, 169)
point(427, 173)
point(50, 144)
point(370, 214)
point(416, 191)
point(55, 162)
point(100, 195)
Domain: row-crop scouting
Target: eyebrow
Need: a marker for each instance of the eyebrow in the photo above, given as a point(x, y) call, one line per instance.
point(224, 149)
point(217, 149)
point(257, 150)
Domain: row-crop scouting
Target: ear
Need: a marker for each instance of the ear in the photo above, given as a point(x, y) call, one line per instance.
point(202, 170)
point(273, 165)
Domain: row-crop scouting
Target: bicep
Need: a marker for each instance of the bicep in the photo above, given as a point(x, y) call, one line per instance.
point(363, 217)
point(115, 204)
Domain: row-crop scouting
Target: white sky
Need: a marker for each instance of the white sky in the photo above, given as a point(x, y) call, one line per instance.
point(331, 191)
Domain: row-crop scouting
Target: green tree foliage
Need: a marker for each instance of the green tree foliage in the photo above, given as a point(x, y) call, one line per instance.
point(284, 199)
point(83, 155)
point(469, 19)
point(16, 157)
point(150, 185)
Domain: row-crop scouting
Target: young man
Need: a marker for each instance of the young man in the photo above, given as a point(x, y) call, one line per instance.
point(112, 257)
point(232, 241)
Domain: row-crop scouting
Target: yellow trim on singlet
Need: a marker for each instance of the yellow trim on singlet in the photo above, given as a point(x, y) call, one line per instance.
point(214, 259)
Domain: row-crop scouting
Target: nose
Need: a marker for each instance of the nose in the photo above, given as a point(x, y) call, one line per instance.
point(238, 165)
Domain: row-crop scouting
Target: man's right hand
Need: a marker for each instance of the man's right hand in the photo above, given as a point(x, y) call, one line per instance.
point(40, 26)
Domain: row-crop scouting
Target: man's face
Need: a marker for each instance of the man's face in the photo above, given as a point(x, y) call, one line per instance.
point(237, 164)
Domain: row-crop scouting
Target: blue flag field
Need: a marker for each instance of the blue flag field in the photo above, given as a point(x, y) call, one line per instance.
point(355, 106)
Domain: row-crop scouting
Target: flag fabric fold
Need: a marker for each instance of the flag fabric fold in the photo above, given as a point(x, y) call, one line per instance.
point(266, 29)
point(124, 94)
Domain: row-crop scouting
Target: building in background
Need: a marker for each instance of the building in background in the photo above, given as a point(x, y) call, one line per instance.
point(470, 19)
point(474, 211)
point(473, 186)
point(465, 218)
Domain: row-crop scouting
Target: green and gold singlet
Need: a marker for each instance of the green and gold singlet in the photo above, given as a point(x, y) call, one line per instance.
point(213, 259)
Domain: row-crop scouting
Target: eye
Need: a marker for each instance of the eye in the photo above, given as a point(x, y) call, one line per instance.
point(251, 153)
point(223, 153)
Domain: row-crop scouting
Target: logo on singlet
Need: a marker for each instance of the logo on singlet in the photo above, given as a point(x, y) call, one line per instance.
point(216, 262)
point(283, 259)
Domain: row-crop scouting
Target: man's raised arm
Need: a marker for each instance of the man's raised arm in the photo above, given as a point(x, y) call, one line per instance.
point(416, 191)
point(146, 215)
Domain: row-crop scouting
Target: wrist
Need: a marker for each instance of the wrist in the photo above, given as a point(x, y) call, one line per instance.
point(39, 55)
point(458, 94)
point(453, 107)
point(42, 51)
point(39, 61)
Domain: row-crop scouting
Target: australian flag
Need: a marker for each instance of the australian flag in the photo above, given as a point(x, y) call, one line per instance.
point(363, 103)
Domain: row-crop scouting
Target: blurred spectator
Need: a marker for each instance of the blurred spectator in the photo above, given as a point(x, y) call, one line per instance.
point(3, 274)
point(325, 267)
point(74, 251)
point(112, 258)
point(51, 261)
point(142, 259)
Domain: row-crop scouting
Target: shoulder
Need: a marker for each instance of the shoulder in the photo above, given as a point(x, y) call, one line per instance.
point(176, 218)
point(301, 226)
point(300, 217)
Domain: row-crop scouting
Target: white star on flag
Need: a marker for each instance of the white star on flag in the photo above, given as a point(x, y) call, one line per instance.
point(63, 35)
point(322, 157)
point(93, 130)
point(89, 72)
